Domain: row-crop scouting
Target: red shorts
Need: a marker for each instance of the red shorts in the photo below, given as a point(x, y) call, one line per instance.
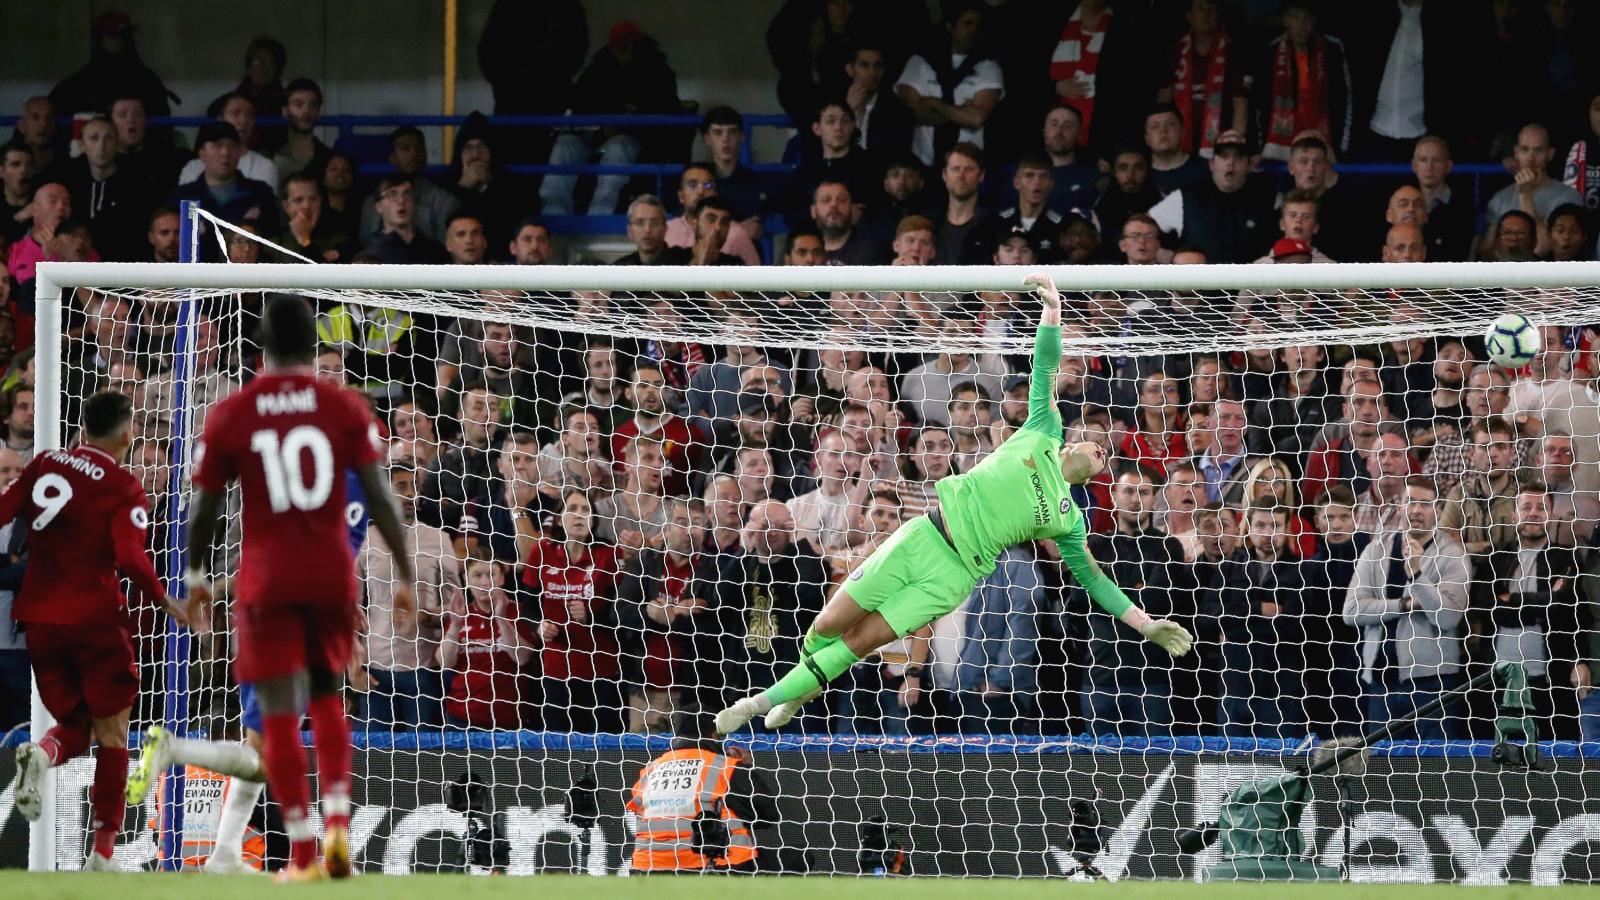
point(276, 640)
point(83, 669)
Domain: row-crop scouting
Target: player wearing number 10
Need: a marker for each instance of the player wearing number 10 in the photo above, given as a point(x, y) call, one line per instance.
point(290, 440)
point(88, 520)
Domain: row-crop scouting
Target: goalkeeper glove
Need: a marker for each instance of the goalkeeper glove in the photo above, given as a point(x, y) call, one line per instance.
point(1168, 635)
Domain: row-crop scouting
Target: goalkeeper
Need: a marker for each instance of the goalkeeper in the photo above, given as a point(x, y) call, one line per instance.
point(1019, 493)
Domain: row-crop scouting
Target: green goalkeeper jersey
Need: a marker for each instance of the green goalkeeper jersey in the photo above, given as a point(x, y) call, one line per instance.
point(1017, 494)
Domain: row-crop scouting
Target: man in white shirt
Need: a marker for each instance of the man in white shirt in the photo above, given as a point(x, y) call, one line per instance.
point(827, 515)
point(951, 96)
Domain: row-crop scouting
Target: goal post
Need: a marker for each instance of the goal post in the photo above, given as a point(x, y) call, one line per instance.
point(1120, 320)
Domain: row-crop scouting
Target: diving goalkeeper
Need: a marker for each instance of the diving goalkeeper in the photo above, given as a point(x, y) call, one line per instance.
point(1019, 493)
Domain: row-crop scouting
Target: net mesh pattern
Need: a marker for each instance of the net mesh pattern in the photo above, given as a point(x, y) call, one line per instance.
point(627, 508)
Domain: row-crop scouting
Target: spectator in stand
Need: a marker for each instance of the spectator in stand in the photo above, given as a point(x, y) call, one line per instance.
point(677, 359)
point(36, 132)
point(1211, 80)
point(647, 229)
point(114, 69)
point(1533, 192)
point(464, 239)
point(1303, 86)
point(221, 190)
point(1487, 394)
point(633, 515)
point(1408, 597)
point(151, 155)
point(481, 187)
point(698, 184)
point(904, 193)
point(1300, 404)
point(1270, 482)
point(412, 436)
point(1448, 223)
point(1298, 220)
point(1226, 216)
point(1405, 243)
point(1172, 168)
point(1261, 606)
point(913, 242)
point(1559, 72)
point(529, 54)
point(1157, 436)
point(402, 652)
point(1387, 465)
point(1525, 603)
point(971, 414)
point(765, 601)
point(15, 674)
point(577, 458)
point(1031, 217)
point(931, 458)
point(302, 150)
point(530, 243)
point(834, 157)
point(1571, 237)
point(810, 45)
point(951, 89)
point(16, 174)
point(408, 154)
point(1333, 455)
point(572, 578)
point(1410, 62)
point(603, 391)
point(630, 75)
point(1582, 169)
point(1127, 692)
point(1075, 179)
point(1573, 511)
point(464, 469)
point(307, 230)
point(722, 132)
point(1515, 238)
point(962, 228)
point(398, 239)
point(1332, 689)
point(846, 244)
point(883, 123)
point(985, 656)
point(341, 203)
point(658, 609)
point(18, 422)
point(927, 388)
point(1131, 193)
point(484, 649)
point(1342, 215)
point(1223, 461)
point(826, 516)
point(51, 206)
point(714, 388)
point(117, 201)
point(1481, 511)
point(262, 85)
point(238, 111)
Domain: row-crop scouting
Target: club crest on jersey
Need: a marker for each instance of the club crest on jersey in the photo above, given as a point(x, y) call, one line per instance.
point(1030, 463)
point(1066, 504)
point(857, 574)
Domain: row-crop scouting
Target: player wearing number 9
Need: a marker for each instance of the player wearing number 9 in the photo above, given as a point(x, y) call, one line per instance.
point(87, 517)
point(290, 440)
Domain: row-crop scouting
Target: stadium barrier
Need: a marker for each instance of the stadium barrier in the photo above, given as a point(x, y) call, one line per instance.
point(963, 806)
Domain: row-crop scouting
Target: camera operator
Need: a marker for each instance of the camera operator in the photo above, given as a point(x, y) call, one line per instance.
point(699, 803)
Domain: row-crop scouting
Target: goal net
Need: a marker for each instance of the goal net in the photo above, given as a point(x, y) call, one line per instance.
point(629, 491)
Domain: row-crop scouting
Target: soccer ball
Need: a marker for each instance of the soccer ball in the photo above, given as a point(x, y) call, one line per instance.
point(1512, 341)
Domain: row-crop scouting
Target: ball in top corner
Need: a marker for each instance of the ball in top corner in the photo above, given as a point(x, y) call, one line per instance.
point(1512, 341)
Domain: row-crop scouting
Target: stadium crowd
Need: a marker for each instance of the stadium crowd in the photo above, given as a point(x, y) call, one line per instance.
point(610, 529)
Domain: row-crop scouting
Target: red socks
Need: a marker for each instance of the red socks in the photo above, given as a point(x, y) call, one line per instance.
point(66, 741)
point(285, 763)
point(332, 732)
point(106, 798)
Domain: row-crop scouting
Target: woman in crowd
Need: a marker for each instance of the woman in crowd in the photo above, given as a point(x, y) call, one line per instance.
point(483, 652)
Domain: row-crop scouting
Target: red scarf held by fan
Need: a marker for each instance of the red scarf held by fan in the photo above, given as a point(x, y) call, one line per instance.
point(1185, 84)
point(1299, 94)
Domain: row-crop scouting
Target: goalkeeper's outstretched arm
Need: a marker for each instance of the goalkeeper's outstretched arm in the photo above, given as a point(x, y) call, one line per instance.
point(1043, 414)
point(1166, 634)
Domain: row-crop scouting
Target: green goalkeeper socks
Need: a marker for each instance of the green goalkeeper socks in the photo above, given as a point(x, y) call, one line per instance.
point(814, 671)
point(814, 642)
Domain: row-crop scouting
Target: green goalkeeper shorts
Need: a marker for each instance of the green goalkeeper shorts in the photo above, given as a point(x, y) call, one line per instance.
point(914, 578)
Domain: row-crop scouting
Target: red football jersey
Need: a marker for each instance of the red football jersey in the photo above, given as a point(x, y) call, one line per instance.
point(290, 441)
point(89, 518)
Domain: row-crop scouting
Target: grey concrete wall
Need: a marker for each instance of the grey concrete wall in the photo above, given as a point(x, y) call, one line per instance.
point(374, 56)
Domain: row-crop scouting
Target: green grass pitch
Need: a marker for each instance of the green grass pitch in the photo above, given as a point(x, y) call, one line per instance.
point(26, 885)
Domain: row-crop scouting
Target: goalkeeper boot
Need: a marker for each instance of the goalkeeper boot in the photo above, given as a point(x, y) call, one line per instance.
point(739, 714)
point(151, 763)
point(336, 852)
point(783, 713)
point(28, 786)
point(97, 863)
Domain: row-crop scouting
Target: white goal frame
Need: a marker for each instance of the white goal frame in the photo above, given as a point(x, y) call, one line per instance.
point(57, 279)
